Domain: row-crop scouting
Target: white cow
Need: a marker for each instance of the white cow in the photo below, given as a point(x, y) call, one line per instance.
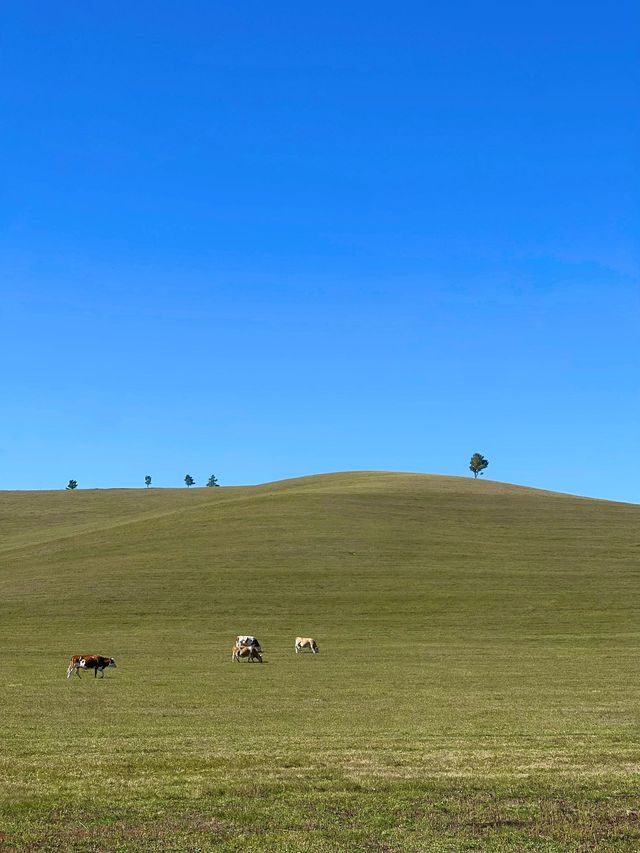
point(247, 640)
point(306, 643)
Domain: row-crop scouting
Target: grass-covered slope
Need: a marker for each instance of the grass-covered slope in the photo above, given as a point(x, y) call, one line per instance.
point(477, 681)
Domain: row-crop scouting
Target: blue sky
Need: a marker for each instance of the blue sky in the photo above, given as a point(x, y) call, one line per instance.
point(264, 240)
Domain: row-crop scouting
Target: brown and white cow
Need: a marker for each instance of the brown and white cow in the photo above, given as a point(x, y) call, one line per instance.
point(98, 663)
point(250, 653)
point(306, 643)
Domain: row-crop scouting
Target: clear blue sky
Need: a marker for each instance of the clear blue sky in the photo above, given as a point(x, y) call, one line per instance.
point(264, 240)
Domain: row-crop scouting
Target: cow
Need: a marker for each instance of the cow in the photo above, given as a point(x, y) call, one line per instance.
point(251, 653)
point(306, 643)
point(98, 663)
point(248, 641)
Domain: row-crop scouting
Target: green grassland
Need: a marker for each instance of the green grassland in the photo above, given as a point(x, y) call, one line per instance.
point(477, 686)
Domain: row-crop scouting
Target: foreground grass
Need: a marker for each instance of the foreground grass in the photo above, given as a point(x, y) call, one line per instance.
point(477, 686)
point(356, 816)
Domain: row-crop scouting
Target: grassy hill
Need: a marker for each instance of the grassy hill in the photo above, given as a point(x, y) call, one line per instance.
point(476, 687)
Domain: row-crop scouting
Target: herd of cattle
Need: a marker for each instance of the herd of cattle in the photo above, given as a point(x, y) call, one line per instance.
point(245, 647)
point(249, 648)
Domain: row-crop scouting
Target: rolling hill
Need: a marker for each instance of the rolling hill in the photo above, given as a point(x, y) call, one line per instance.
point(478, 667)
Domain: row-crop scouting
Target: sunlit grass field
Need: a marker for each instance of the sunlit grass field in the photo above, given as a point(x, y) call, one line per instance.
point(477, 686)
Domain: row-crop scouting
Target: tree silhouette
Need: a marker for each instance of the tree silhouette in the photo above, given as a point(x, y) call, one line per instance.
point(478, 464)
point(72, 484)
point(147, 481)
point(212, 481)
point(189, 480)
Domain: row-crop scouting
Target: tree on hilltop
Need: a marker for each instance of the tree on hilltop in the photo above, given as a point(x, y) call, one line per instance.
point(147, 481)
point(212, 481)
point(478, 464)
point(189, 480)
point(72, 484)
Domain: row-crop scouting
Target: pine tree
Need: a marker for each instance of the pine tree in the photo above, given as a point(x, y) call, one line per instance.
point(72, 484)
point(189, 480)
point(147, 481)
point(212, 481)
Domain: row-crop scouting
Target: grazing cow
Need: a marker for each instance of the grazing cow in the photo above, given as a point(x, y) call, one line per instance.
point(251, 653)
point(306, 643)
point(248, 641)
point(98, 663)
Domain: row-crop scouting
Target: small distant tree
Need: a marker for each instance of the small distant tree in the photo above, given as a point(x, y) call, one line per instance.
point(212, 481)
point(478, 464)
point(189, 480)
point(72, 484)
point(147, 481)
